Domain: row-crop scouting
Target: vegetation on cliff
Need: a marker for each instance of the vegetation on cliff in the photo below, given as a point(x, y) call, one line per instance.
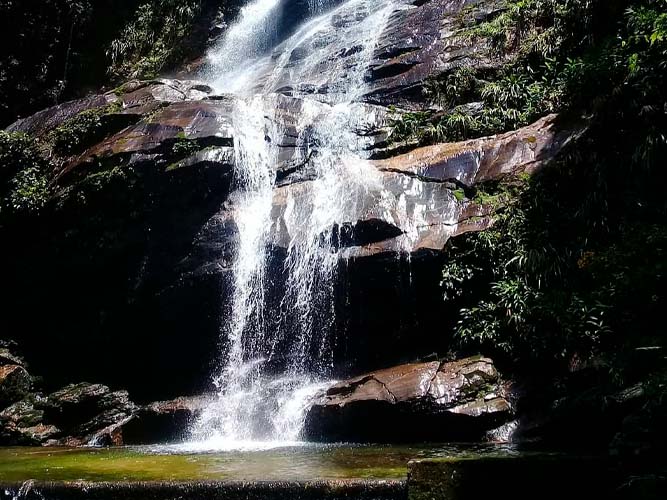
point(24, 175)
point(150, 41)
point(575, 266)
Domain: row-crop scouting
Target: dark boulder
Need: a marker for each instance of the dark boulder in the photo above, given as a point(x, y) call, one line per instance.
point(457, 400)
point(21, 424)
point(15, 383)
point(36, 435)
point(7, 357)
point(88, 413)
point(74, 404)
point(24, 413)
point(47, 120)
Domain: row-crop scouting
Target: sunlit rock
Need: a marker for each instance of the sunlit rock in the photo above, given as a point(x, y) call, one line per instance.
point(437, 400)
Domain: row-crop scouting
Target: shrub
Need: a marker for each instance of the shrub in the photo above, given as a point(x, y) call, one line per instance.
point(24, 174)
point(81, 131)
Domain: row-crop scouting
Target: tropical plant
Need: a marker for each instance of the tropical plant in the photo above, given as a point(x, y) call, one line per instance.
point(152, 39)
point(24, 174)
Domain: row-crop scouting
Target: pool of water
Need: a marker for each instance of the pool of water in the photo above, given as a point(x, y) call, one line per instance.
point(174, 463)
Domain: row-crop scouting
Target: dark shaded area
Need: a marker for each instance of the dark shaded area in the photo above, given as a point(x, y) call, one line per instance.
point(154, 427)
point(379, 421)
point(362, 233)
point(526, 477)
point(111, 286)
point(227, 490)
point(391, 311)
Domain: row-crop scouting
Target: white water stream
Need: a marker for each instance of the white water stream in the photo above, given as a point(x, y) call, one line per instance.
point(255, 408)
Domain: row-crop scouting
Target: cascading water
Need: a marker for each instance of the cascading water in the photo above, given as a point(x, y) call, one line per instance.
point(255, 408)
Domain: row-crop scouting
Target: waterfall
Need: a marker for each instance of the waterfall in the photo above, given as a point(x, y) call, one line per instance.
point(245, 40)
point(255, 407)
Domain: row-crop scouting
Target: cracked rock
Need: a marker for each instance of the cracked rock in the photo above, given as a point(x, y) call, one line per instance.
point(457, 400)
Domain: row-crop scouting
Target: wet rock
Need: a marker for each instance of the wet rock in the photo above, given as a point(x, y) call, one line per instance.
point(21, 424)
point(114, 408)
point(84, 411)
point(489, 158)
point(15, 383)
point(77, 415)
point(163, 422)
point(9, 358)
point(193, 120)
point(420, 41)
point(45, 121)
point(408, 202)
point(143, 97)
point(23, 413)
point(503, 434)
point(196, 127)
point(395, 213)
point(435, 400)
point(75, 403)
point(36, 435)
point(210, 157)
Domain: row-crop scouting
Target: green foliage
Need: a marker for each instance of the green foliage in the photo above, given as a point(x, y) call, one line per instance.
point(575, 263)
point(95, 187)
point(185, 147)
point(459, 194)
point(542, 296)
point(24, 174)
point(153, 38)
point(543, 27)
point(555, 57)
point(459, 86)
point(79, 132)
point(30, 190)
point(408, 125)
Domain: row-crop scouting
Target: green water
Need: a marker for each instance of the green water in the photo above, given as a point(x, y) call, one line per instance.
point(303, 463)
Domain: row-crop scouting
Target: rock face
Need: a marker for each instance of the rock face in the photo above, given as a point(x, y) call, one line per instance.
point(142, 231)
point(437, 400)
point(85, 414)
point(88, 413)
point(132, 231)
point(421, 41)
point(75, 415)
point(14, 384)
point(160, 227)
point(81, 414)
